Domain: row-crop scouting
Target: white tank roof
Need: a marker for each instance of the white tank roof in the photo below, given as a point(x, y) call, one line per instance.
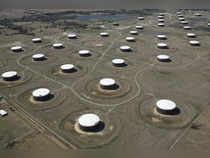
point(165, 104)
point(163, 57)
point(161, 36)
point(16, 48)
point(130, 38)
point(160, 17)
point(38, 56)
point(194, 42)
point(139, 27)
point(180, 15)
point(67, 67)
point(181, 19)
point(197, 14)
point(107, 82)
point(208, 24)
point(84, 52)
point(3, 112)
point(187, 27)
point(9, 74)
point(161, 20)
point(72, 35)
point(41, 92)
point(99, 45)
point(36, 40)
point(191, 34)
point(88, 120)
point(57, 45)
point(184, 22)
point(162, 45)
point(104, 33)
point(140, 18)
point(125, 48)
point(102, 26)
point(161, 24)
point(118, 61)
point(133, 32)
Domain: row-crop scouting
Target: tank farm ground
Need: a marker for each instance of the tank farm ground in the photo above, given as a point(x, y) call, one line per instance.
point(127, 111)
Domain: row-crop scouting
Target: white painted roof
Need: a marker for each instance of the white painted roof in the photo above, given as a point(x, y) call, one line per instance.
point(163, 57)
point(133, 32)
point(104, 33)
point(180, 15)
point(38, 56)
point(16, 48)
point(88, 120)
point(194, 42)
point(184, 22)
point(191, 34)
point(84, 52)
point(139, 27)
point(118, 61)
point(161, 24)
point(130, 38)
point(3, 112)
point(187, 27)
point(162, 45)
point(165, 104)
point(161, 20)
point(160, 17)
point(102, 26)
point(36, 40)
point(41, 92)
point(197, 14)
point(107, 82)
point(161, 36)
point(57, 45)
point(67, 67)
point(125, 48)
point(140, 18)
point(181, 19)
point(72, 35)
point(162, 14)
point(99, 45)
point(9, 74)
